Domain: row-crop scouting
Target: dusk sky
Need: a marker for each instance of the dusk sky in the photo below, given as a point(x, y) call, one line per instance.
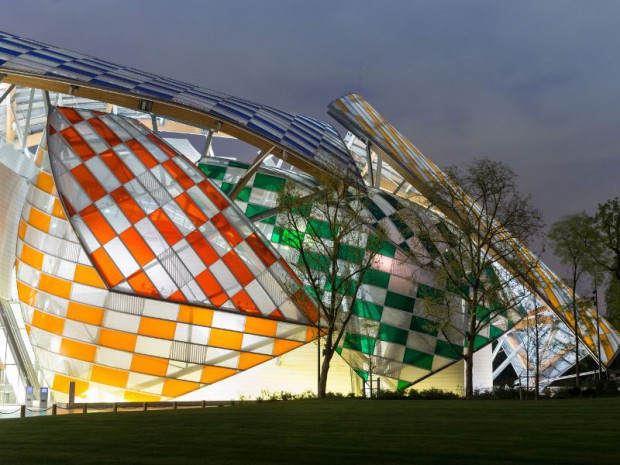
point(533, 83)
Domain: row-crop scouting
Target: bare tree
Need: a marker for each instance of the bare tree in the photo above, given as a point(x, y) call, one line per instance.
point(539, 327)
point(537, 323)
point(531, 325)
point(572, 238)
point(334, 242)
point(473, 247)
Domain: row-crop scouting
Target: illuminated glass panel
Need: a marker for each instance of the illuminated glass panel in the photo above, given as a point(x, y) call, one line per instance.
point(118, 346)
point(357, 115)
point(163, 234)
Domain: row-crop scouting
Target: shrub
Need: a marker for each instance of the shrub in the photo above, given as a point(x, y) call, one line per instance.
point(391, 395)
point(607, 388)
point(498, 392)
point(566, 393)
point(266, 396)
point(432, 394)
point(603, 388)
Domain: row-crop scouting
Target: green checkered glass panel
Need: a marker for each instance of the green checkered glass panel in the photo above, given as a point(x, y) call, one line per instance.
point(391, 333)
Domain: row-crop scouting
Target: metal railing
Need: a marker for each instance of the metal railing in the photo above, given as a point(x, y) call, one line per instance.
point(91, 407)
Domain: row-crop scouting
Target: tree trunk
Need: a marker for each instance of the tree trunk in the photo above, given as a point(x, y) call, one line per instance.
point(576, 336)
point(537, 359)
point(469, 370)
point(527, 371)
point(469, 359)
point(328, 353)
point(576, 347)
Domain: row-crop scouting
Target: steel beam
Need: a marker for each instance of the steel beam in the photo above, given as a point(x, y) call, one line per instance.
point(399, 187)
point(378, 173)
point(275, 210)
point(507, 362)
point(498, 347)
point(154, 123)
point(15, 122)
point(27, 125)
point(8, 91)
point(46, 101)
point(250, 172)
point(371, 177)
point(205, 150)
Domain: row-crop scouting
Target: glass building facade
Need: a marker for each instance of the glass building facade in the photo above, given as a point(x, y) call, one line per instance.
point(141, 275)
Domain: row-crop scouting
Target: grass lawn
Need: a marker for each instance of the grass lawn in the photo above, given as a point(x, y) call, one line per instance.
point(585, 431)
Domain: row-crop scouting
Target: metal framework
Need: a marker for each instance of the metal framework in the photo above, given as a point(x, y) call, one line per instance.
point(142, 276)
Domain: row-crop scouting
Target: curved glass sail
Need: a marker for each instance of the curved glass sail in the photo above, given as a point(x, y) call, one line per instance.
point(306, 140)
point(357, 115)
point(115, 345)
point(391, 333)
point(154, 225)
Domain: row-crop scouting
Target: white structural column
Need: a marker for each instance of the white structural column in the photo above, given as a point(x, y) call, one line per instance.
point(483, 368)
point(27, 124)
point(208, 141)
point(378, 173)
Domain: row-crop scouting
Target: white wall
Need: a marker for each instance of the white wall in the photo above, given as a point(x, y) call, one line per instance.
point(453, 378)
point(12, 195)
point(483, 368)
point(294, 372)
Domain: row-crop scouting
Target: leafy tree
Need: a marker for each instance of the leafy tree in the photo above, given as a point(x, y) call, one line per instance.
point(612, 302)
point(607, 224)
point(572, 239)
point(596, 273)
point(606, 253)
point(471, 247)
point(334, 243)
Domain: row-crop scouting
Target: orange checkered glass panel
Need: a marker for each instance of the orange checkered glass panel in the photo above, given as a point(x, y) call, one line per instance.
point(155, 226)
